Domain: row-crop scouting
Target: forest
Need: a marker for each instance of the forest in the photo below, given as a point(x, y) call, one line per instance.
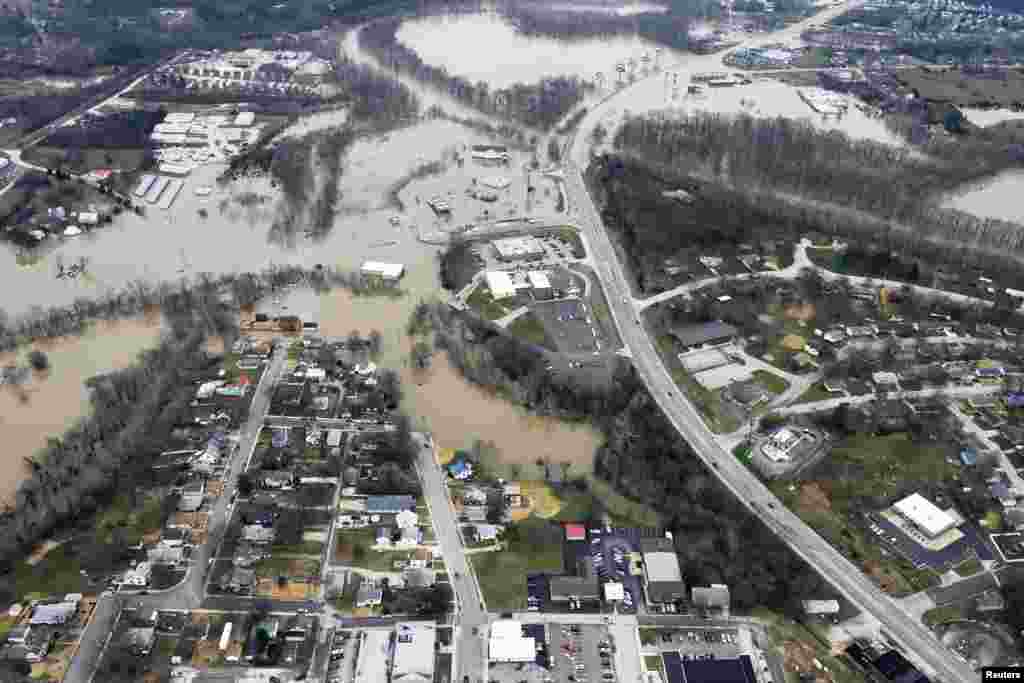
point(540, 105)
point(723, 215)
point(643, 457)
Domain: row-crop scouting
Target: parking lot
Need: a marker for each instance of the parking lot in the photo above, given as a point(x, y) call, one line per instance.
point(557, 251)
point(342, 654)
point(581, 654)
point(569, 324)
point(611, 555)
point(693, 643)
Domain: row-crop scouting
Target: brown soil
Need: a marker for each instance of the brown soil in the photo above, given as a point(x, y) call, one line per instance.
point(885, 581)
point(206, 652)
point(800, 312)
point(291, 591)
point(799, 657)
point(814, 499)
point(343, 551)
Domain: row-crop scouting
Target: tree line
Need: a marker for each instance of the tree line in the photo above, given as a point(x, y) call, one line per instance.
point(724, 215)
point(540, 105)
point(643, 457)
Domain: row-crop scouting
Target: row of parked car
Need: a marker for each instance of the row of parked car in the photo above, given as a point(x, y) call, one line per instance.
point(336, 660)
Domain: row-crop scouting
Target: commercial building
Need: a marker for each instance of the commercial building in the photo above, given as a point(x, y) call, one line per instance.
point(663, 579)
point(500, 283)
point(713, 598)
point(925, 515)
point(414, 653)
point(54, 614)
point(738, 670)
point(245, 118)
point(540, 284)
point(387, 272)
point(521, 248)
point(509, 644)
point(692, 336)
point(372, 664)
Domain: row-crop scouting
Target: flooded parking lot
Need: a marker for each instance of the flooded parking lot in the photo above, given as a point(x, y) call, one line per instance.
point(997, 198)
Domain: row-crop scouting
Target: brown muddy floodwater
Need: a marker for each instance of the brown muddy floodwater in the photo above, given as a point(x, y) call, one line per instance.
point(55, 401)
point(440, 400)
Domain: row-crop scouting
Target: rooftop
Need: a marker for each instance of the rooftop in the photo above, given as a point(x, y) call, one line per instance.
point(924, 514)
point(414, 652)
point(695, 335)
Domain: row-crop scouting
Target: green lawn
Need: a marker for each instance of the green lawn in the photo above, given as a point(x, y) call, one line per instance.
point(815, 393)
point(58, 572)
point(355, 547)
point(483, 303)
point(654, 663)
point(528, 328)
point(942, 615)
point(771, 382)
point(304, 548)
point(968, 567)
point(863, 471)
point(502, 575)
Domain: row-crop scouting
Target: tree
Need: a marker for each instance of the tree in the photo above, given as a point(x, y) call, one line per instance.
point(375, 341)
point(38, 360)
point(246, 485)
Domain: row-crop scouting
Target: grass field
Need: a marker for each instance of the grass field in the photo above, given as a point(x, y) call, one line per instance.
point(502, 574)
point(968, 567)
point(862, 471)
point(483, 303)
point(815, 393)
point(355, 547)
point(941, 615)
point(716, 414)
point(528, 328)
point(771, 382)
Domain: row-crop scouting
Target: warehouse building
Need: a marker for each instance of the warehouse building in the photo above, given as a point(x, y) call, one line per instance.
point(713, 333)
point(414, 653)
point(524, 248)
point(925, 515)
point(509, 644)
point(663, 579)
point(540, 285)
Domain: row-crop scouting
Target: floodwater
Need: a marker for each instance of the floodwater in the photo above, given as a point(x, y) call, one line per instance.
point(998, 198)
point(488, 48)
point(168, 245)
point(56, 399)
point(766, 98)
point(989, 117)
point(440, 400)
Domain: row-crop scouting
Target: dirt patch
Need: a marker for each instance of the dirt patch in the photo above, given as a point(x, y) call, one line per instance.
point(793, 342)
point(884, 579)
point(292, 590)
point(215, 488)
point(205, 653)
point(799, 657)
point(803, 312)
point(814, 499)
point(41, 551)
point(344, 551)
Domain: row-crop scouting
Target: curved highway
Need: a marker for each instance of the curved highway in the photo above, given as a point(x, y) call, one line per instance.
point(917, 641)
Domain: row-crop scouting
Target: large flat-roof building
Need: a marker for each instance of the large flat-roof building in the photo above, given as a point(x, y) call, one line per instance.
point(540, 284)
point(414, 653)
point(738, 670)
point(509, 644)
point(525, 247)
point(925, 515)
point(373, 657)
point(663, 579)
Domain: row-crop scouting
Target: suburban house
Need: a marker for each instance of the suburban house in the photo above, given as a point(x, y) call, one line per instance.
point(139, 641)
point(389, 504)
point(257, 533)
point(192, 495)
point(276, 479)
point(711, 599)
point(54, 614)
point(238, 580)
point(139, 575)
point(368, 595)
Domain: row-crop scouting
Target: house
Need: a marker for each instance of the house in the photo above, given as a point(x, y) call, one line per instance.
point(139, 641)
point(27, 644)
point(383, 537)
point(713, 333)
point(418, 577)
point(139, 575)
point(276, 479)
point(460, 469)
point(192, 495)
point(238, 580)
point(389, 504)
point(407, 519)
point(713, 598)
point(828, 609)
point(163, 554)
point(474, 496)
point(257, 533)
point(575, 532)
point(1000, 490)
point(486, 532)
point(408, 537)
point(174, 537)
point(54, 614)
point(368, 595)
point(500, 284)
point(835, 336)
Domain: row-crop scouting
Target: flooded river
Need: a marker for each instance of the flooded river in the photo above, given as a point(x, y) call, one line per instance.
point(53, 401)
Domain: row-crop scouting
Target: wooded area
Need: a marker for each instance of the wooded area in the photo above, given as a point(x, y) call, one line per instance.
point(643, 457)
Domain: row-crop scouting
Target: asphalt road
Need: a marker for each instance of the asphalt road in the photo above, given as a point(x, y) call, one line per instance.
point(190, 592)
point(470, 648)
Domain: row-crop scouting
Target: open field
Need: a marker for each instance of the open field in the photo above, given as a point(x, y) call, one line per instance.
point(502, 574)
point(529, 329)
point(955, 87)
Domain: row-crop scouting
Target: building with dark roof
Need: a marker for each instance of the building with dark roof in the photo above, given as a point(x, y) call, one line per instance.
point(679, 670)
point(716, 332)
point(581, 588)
point(663, 579)
point(389, 504)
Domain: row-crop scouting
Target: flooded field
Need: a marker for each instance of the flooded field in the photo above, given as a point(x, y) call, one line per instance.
point(486, 47)
point(998, 198)
point(235, 233)
point(53, 401)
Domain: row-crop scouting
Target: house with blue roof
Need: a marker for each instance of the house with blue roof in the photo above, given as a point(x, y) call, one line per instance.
point(968, 457)
point(389, 505)
point(460, 469)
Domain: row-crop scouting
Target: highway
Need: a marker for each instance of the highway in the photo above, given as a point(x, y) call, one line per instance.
point(917, 641)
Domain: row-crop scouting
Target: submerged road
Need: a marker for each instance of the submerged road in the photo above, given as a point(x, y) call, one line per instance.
point(919, 644)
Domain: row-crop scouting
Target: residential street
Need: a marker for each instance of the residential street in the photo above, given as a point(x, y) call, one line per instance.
point(470, 648)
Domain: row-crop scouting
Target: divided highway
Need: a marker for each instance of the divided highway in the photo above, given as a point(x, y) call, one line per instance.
point(920, 645)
